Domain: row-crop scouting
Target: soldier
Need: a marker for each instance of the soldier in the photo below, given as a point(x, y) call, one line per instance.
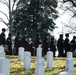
point(25, 42)
point(2, 37)
point(67, 44)
point(73, 44)
point(37, 40)
point(9, 44)
point(18, 42)
point(31, 46)
point(45, 44)
point(52, 46)
point(60, 45)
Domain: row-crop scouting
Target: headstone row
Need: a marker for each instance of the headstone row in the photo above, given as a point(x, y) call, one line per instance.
point(26, 57)
point(4, 63)
point(40, 62)
point(39, 70)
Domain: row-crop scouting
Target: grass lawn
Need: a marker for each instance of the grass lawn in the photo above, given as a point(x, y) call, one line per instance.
point(17, 67)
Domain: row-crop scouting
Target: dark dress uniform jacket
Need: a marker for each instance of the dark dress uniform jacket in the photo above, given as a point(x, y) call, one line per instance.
point(73, 45)
point(52, 47)
point(9, 44)
point(31, 48)
point(45, 46)
point(67, 46)
point(17, 43)
point(25, 43)
point(2, 39)
point(60, 46)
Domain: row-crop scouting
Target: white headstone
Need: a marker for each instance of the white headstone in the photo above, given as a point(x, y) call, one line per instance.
point(21, 53)
point(69, 63)
point(2, 48)
point(39, 69)
point(4, 66)
point(69, 66)
point(69, 55)
point(50, 59)
point(39, 51)
point(2, 54)
point(27, 60)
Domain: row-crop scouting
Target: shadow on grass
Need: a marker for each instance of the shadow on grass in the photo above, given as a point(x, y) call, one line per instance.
point(74, 65)
point(59, 58)
point(55, 70)
point(22, 71)
point(11, 57)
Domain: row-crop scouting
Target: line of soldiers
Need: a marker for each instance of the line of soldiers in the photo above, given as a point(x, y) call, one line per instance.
point(48, 43)
point(6, 43)
point(22, 41)
point(31, 44)
point(66, 45)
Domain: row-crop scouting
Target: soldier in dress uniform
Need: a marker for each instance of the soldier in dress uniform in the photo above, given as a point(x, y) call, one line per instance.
point(18, 42)
point(9, 44)
point(25, 42)
point(53, 46)
point(3, 37)
point(67, 46)
point(45, 44)
point(73, 44)
point(31, 46)
point(37, 41)
point(60, 45)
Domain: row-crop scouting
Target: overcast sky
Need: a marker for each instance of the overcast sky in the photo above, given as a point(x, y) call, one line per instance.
point(65, 18)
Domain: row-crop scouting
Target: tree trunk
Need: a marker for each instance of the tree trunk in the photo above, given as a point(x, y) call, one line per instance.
point(10, 21)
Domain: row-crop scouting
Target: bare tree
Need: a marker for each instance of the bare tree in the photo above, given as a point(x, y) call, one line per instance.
point(11, 6)
point(69, 7)
point(72, 1)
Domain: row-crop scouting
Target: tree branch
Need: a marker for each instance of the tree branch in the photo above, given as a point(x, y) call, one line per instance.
point(13, 5)
point(1, 20)
point(74, 3)
point(5, 15)
point(5, 3)
point(70, 27)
